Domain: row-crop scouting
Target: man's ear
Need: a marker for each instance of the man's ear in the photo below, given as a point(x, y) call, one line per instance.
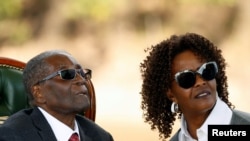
point(37, 94)
point(171, 96)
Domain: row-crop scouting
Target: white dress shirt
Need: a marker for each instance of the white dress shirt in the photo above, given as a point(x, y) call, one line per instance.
point(61, 131)
point(215, 117)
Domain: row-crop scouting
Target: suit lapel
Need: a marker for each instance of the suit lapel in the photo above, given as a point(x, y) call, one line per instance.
point(43, 127)
point(85, 133)
point(83, 136)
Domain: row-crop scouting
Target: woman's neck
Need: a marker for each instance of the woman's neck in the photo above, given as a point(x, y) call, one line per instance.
point(194, 122)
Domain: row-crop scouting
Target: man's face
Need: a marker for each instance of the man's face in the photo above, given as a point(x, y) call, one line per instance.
point(63, 96)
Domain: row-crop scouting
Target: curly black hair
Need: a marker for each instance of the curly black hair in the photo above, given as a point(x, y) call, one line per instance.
point(156, 75)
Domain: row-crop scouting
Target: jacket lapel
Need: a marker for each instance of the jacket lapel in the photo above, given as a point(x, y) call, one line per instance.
point(83, 136)
point(43, 127)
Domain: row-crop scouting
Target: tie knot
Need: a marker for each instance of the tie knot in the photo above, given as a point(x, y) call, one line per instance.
point(74, 137)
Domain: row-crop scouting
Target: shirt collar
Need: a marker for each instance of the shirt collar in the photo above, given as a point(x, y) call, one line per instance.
point(61, 131)
point(215, 117)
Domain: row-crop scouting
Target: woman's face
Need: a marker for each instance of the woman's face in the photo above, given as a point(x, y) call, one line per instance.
point(199, 98)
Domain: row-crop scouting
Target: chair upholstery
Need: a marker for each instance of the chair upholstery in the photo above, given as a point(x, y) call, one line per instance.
point(12, 93)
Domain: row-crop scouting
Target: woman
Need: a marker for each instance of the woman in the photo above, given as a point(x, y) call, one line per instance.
point(185, 76)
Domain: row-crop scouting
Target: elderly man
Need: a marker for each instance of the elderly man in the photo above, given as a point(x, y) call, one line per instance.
point(56, 84)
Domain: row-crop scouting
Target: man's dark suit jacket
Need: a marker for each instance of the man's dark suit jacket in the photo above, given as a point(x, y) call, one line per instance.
point(238, 118)
point(31, 125)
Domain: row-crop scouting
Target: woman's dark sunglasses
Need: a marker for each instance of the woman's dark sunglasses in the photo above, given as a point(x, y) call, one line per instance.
point(69, 74)
point(186, 79)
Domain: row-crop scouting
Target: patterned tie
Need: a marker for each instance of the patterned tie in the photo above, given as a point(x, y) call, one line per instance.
point(74, 137)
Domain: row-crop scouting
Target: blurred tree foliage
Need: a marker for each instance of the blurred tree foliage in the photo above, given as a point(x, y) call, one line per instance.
point(86, 16)
point(9, 12)
point(9, 9)
point(20, 20)
point(24, 20)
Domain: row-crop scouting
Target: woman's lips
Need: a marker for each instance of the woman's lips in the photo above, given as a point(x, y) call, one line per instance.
point(202, 94)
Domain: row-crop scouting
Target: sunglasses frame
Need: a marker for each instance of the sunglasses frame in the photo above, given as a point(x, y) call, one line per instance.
point(199, 71)
point(87, 74)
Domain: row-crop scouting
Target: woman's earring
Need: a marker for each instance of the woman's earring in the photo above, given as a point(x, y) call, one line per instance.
point(174, 107)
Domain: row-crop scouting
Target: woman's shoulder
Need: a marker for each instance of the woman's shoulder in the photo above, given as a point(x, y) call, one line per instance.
point(175, 136)
point(240, 117)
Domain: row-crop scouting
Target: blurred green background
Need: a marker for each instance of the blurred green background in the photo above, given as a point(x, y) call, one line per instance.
point(109, 36)
point(25, 20)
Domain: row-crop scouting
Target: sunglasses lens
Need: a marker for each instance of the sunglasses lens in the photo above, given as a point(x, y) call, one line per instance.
point(209, 72)
point(186, 79)
point(68, 74)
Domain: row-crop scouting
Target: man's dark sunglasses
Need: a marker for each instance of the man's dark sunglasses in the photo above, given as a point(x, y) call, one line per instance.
point(69, 74)
point(186, 79)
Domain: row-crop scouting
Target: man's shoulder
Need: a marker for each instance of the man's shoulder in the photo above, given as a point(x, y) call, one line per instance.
point(20, 114)
point(19, 119)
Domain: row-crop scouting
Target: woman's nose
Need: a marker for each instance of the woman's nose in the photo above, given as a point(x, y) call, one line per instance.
point(199, 81)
